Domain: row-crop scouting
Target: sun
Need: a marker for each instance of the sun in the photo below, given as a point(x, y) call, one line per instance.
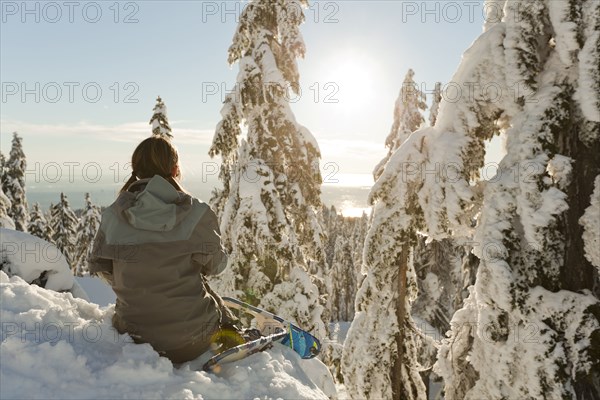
point(350, 81)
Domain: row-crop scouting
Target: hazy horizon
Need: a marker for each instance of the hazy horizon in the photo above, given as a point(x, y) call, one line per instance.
point(351, 200)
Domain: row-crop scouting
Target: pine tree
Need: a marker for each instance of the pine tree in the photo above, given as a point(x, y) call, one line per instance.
point(439, 280)
point(332, 228)
point(159, 121)
point(344, 280)
point(88, 225)
point(359, 234)
point(64, 224)
point(2, 171)
point(5, 220)
point(5, 203)
point(407, 118)
point(14, 184)
point(372, 367)
point(435, 103)
point(536, 294)
point(270, 199)
point(591, 225)
point(38, 225)
point(530, 326)
point(380, 356)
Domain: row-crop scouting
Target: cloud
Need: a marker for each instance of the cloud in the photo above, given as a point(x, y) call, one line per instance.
point(130, 132)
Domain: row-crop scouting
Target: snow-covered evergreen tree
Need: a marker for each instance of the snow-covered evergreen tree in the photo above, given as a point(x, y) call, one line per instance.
point(407, 118)
point(359, 233)
point(529, 328)
point(438, 268)
point(64, 225)
point(343, 276)
point(88, 225)
point(345, 237)
point(5, 220)
point(38, 225)
point(159, 121)
point(435, 103)
point(591, 224)
point(2, 171)
point(269, 203)
point(13, 184)
point(332, 222)
point(380, 354)
point(535, 299)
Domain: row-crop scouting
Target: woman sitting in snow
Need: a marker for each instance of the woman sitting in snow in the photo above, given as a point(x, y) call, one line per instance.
point(154, 247)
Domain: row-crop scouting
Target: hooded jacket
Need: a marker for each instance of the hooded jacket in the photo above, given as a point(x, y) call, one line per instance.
point(154, 245)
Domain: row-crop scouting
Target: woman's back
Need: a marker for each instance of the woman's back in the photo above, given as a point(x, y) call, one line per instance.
point(156, 243)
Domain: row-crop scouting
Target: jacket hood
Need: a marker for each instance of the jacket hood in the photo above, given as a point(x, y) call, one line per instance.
point(154, 207)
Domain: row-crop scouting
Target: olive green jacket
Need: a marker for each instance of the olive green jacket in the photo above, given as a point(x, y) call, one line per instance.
point(154, 245)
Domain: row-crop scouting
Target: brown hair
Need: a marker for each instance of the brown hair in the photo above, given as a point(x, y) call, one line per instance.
point(154, 156)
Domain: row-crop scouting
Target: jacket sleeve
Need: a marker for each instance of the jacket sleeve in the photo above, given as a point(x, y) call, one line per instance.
point(100, 266)
point(210, 254)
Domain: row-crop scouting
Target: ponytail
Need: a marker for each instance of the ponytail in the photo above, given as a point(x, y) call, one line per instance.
point(176, 184)
point(131, 179)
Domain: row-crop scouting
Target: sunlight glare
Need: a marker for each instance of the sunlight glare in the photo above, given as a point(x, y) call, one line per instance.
point(355, 212)
point(353, 76)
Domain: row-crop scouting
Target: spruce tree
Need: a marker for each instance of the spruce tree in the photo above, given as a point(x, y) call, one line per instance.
point(530, 325)
point(2, 171)
point(439, 277)
point(407, 117)
point(435, 103)
point(343, 280)
point(64, 225)
point(5, 220)
point(88, 225)
point(159, 121)
point(14, 184)
point(359, 234)
point(535, 300)
point(332, 225)
point(380, 357)
point(591, 225)
point(38, 225)
point(270, 199)
point(5, 203)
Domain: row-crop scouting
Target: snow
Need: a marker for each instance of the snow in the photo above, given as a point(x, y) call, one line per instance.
point(98, 292)
point(559, 168)
point(587, 93)
point(5, 203)
point(6, 222)
point(28, 256)
point(60, 345)
point(57, 346)
point(528, 337)
point(565, 32)
point(591, 225)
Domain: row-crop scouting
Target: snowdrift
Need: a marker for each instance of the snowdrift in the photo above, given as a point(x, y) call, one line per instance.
point(36, 261)
point(56, 344)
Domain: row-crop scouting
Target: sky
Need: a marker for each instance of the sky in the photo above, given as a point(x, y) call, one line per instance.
point(80, 79)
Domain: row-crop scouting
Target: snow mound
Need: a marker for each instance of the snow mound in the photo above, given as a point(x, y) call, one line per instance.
point(36, 261)
point(57, 346)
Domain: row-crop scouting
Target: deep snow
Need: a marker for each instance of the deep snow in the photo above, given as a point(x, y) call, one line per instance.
point(54, 345)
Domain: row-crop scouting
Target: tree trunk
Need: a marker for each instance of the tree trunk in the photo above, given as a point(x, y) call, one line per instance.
point(577, 273)
point(396, 375)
